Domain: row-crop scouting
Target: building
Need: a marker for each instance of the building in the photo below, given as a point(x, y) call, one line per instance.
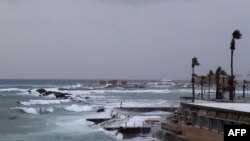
point(204, 121)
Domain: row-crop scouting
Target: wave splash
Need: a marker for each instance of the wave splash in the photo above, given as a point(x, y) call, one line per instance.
point(31, 110)
point(44, 102)
point(13, 90)
point(78, 108)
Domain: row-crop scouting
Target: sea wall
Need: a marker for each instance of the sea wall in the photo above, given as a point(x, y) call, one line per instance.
point(130, 132)
point(168, 136)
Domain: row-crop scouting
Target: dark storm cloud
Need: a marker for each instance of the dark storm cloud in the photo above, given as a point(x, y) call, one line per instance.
point(139, 2)
point(132, 2)
point(120, 38)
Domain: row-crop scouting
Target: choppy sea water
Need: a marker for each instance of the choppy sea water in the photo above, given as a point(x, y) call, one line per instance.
point(29, 117)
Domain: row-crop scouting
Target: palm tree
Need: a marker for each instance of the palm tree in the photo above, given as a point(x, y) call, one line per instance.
point(194, 63)
point(219, 71)
point(211, 73)
point(244, 87)
point(236, 35)
point(202, 84)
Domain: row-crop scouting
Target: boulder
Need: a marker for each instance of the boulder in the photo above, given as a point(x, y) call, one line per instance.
point(100, 110)
point(61, 95)
point(41, 91)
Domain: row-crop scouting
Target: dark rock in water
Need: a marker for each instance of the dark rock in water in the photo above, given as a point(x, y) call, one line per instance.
point(41, 91)
point(29, 91)
point(48, 93)
point(100, 110)
point(61, 95)
point(86, 97)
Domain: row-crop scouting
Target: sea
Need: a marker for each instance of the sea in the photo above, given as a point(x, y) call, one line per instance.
point(27, 116)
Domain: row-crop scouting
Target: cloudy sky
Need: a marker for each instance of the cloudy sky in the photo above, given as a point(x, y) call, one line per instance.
point(117, 39)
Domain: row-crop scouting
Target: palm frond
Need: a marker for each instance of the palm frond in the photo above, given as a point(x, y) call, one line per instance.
point(211, 72)
point(218, 70)
point(236, 34)
point(223, 72)
point(245, 82)
point(195, 62)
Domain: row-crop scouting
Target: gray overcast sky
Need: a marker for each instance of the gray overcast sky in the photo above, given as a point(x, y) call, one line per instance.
point(117, 39)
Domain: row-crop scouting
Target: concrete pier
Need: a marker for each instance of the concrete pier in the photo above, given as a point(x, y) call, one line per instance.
point(147, 109)
point(120, 124)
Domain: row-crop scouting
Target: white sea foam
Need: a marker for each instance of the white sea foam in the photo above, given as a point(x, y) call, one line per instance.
point(50, 110)
point(44, 102)
point(140, 103)
point(79, 99)
point(129, 91)
point(74, 92)
point(75, 86)
point(137, 91)
point(121, 91)
point(181, 91)
point(197, 90)
point(157, 113)
point(13, 89)
point(51, 96)
point(31, 110)
point(52, 89)
point(72, 125)
point(139, 120)
point(78, 108)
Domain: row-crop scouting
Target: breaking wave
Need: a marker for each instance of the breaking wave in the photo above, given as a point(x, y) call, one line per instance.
point(44, 102)
point(30, 110)
point(71, 87)
point(78, 108)
point(13, 90)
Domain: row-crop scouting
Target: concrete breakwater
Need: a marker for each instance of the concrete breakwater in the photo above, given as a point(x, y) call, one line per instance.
point(168, 136)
